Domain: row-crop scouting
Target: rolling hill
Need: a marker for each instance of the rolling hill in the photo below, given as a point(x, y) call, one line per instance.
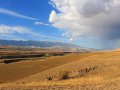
point(87, 71)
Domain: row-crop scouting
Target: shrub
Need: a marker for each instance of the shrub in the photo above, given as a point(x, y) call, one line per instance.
point(64, 75)
point(49, 78)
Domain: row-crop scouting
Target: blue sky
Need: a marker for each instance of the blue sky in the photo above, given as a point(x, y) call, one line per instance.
point(69, 21)
point(37, 9)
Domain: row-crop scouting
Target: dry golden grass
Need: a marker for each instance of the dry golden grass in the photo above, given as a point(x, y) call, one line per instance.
point(19, 70)
point(91, 71)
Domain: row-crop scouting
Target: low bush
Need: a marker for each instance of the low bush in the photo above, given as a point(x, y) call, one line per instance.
point(64, 75)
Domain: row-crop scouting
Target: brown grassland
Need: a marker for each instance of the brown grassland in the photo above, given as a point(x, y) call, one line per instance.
point(80, 71)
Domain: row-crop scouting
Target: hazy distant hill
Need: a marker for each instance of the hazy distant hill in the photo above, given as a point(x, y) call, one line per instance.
point(55, 46)
point(35, 43)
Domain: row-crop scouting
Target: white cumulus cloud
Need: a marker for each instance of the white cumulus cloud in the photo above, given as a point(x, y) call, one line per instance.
point(87, 18)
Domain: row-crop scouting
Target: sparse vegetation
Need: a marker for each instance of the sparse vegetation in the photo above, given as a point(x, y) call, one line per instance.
point(49, 78)
point(63, 75)
point(86, 71)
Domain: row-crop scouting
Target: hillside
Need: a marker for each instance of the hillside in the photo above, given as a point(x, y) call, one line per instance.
point(88, 71)
point(26, 68)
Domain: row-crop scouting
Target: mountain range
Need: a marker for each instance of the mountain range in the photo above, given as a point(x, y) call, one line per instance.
point(31, 43)
point(46, 44)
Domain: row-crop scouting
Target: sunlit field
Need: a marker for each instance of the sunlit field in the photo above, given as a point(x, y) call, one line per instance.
point(94, 70)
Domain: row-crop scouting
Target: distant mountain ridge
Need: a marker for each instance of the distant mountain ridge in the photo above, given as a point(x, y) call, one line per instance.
point(31, 43)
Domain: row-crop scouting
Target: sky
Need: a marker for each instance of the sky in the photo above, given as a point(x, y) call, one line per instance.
point(88, 23)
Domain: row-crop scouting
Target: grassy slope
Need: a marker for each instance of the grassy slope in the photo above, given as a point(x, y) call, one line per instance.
point(105, 77)
point(107, 65)
point(19, 70)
